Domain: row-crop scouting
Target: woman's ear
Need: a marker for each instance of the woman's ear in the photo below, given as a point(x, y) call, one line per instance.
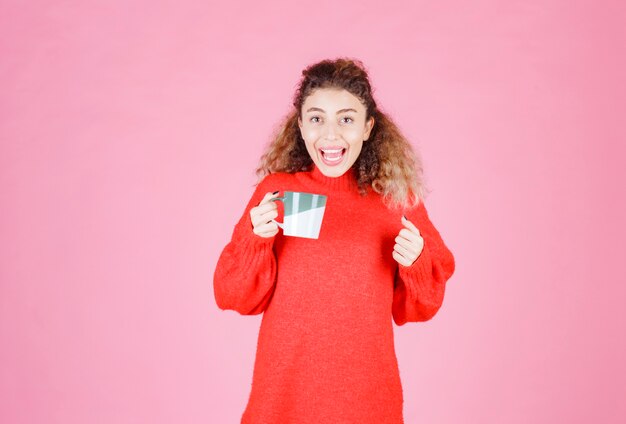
point(369, 125)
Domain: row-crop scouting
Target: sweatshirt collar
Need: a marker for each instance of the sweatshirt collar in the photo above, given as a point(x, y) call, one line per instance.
point(345, 182)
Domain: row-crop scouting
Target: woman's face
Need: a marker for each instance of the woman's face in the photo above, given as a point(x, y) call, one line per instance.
point(333, 127)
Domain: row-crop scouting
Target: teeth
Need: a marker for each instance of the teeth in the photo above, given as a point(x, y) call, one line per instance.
point(329, 154)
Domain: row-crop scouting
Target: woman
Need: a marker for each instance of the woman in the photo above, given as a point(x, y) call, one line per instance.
point(325, 352)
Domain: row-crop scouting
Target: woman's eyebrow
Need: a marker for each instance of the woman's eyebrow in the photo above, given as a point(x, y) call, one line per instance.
point(317, 109)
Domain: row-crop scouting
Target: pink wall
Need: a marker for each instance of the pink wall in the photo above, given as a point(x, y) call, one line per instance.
point(129, 133)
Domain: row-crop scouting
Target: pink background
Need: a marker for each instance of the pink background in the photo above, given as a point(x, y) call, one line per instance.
point(129, 134)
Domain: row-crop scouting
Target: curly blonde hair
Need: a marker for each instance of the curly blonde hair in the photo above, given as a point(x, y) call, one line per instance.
point(387, 163)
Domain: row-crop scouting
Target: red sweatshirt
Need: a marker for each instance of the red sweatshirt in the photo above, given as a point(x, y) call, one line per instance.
point(325, 352)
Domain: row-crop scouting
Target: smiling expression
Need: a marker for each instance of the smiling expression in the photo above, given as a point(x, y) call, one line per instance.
point(333, 127)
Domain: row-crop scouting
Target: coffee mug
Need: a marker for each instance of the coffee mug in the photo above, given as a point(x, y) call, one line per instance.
point(303, 214)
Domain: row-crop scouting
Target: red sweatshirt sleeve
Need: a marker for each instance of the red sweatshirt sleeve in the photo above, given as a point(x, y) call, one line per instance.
point(419, 288)
point(245, 273)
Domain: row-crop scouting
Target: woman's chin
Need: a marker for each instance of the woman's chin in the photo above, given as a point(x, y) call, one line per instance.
point(333, 171)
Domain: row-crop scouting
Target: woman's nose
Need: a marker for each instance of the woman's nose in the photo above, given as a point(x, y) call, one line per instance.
point(330, 132)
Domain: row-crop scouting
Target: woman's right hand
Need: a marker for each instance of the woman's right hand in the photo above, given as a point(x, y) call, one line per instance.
point(262, 215)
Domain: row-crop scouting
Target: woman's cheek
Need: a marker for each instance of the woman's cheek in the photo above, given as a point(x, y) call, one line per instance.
point(311, 135)
point(352, 134)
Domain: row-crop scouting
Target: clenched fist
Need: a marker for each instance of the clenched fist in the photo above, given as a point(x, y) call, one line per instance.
point(262, 215)
point(409, 244)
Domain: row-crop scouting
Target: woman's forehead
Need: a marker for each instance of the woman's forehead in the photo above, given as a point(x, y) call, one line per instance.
point(332, 100)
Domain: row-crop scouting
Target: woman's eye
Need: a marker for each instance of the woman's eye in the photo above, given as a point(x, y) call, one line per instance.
point(347, 117)
point(315, 117)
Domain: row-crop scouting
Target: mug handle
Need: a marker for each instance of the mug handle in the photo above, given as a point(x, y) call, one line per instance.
point(280, 224)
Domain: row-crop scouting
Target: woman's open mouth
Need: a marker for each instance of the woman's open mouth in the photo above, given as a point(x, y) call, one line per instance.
point(333, 156)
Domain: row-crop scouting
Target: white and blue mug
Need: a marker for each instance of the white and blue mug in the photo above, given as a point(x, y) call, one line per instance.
point(304, 213)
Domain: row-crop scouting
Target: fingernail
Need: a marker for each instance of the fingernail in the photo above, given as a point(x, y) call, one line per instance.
point(276, 192)
point(405, 217)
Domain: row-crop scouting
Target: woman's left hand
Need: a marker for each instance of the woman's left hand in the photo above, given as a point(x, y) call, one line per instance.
point(409, 244)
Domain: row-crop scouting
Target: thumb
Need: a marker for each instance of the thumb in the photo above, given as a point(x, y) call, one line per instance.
point(409, 225)
point(268, 197)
